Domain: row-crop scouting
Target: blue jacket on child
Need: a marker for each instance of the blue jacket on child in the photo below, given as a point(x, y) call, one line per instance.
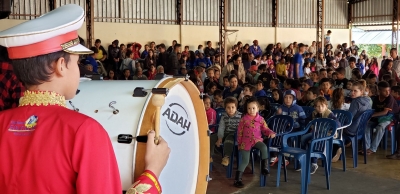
point(295, 111)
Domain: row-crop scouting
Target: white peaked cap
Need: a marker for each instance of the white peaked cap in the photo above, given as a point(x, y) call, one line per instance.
point(49, 33)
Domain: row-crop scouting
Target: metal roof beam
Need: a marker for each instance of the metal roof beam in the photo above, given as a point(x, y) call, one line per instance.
point(355, 1)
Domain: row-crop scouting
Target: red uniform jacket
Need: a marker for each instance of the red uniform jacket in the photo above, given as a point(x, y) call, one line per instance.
point(51, 149)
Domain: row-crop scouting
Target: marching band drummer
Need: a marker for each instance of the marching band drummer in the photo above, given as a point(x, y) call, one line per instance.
point(44, 146)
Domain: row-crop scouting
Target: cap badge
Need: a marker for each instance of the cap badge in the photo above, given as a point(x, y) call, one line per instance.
point(70, 43)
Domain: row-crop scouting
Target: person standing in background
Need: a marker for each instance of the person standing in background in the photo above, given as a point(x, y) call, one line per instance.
point(11, 89)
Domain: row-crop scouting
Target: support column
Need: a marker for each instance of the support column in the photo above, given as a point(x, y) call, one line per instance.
point(320, 23)
point(89, 23)
point(222, 30)
point(395, 24)
point(52, 4)
point(179, 17)
point(275, 18)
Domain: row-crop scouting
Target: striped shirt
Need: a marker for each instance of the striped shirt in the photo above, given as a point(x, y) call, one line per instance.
point(228, 124)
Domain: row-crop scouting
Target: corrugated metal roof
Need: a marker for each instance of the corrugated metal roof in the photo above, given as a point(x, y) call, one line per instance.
point(373, 12)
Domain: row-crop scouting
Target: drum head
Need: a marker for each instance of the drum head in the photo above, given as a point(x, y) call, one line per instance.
point(184, 126)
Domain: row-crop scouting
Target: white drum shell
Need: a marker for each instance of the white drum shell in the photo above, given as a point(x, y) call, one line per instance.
point(177, 116)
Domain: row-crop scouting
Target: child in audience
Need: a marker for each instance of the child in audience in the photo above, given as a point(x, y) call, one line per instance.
point(273, 84)
point(226, 82)
point(348, 88)
point(329, 72)
point(385, 107)
point(321, 111)
point(228, 125)
point(248, 90)
point(334, 76)
point(234, 89)
point(307, 70)
point(264, 60)
point(281, 70)
point(371, 78)
point(313, 66)
point(325, 85)
point(312, 94)
point(323, 74)
point(218, 101)
point(341, 81)
point(337, 101)
point(211, 88)
point(199, 73)
point(395, 91)
point(251, 128)
point(305, 85)
point(289, 107)
point(372, 90)
point(359, 104)
point(291, 84)
point(264, 108)
point(210, 112)
point(277, 96)
point(272, 70)
point(356, 75)
point(210, 78)
point(260, 89)
point(315, 78)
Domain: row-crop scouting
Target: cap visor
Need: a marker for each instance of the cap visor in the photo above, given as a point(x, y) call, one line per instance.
point(79, 50)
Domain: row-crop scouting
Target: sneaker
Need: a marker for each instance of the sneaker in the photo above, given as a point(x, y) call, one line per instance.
point(395, 156)
point(286, 162)
point(314, 168)
point(337, 156)
point(273, 161)
point(225, 161)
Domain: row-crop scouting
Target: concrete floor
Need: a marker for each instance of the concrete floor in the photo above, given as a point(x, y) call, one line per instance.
point(379, 175)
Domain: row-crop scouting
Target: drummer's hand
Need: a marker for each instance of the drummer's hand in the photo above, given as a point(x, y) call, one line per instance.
point(156, 155)
point(218, 143)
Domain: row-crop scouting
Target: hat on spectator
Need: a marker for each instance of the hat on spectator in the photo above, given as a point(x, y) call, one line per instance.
point(253, 68)
point(290, 92)
point(309, 82)
point(49, 33)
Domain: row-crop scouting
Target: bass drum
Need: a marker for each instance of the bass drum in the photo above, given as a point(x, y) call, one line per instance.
point(183, 124)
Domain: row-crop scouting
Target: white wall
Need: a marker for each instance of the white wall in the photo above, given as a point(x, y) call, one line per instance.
point(195, 35)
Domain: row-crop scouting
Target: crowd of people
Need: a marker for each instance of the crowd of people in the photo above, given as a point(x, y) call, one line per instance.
point(253, 78)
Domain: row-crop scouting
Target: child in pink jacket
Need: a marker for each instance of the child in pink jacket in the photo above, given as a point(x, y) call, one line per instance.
point(210, 112)
point(249, 135)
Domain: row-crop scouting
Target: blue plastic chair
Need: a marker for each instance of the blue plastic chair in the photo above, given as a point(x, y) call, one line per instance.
point(274, 107)
point(390, 129)
point(345, 118)
point(362, 124)
point(320, 147)
point(219, 112)
point(308, 110)
point(281, 125)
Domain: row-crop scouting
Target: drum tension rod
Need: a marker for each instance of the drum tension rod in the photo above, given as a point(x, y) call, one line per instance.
point(202, 95)
point(182, 76)
point(73, 107)
point(115, 111)
point(141, 92)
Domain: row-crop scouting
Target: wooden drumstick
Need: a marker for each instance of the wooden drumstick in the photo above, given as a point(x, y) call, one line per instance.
point(158, 101)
